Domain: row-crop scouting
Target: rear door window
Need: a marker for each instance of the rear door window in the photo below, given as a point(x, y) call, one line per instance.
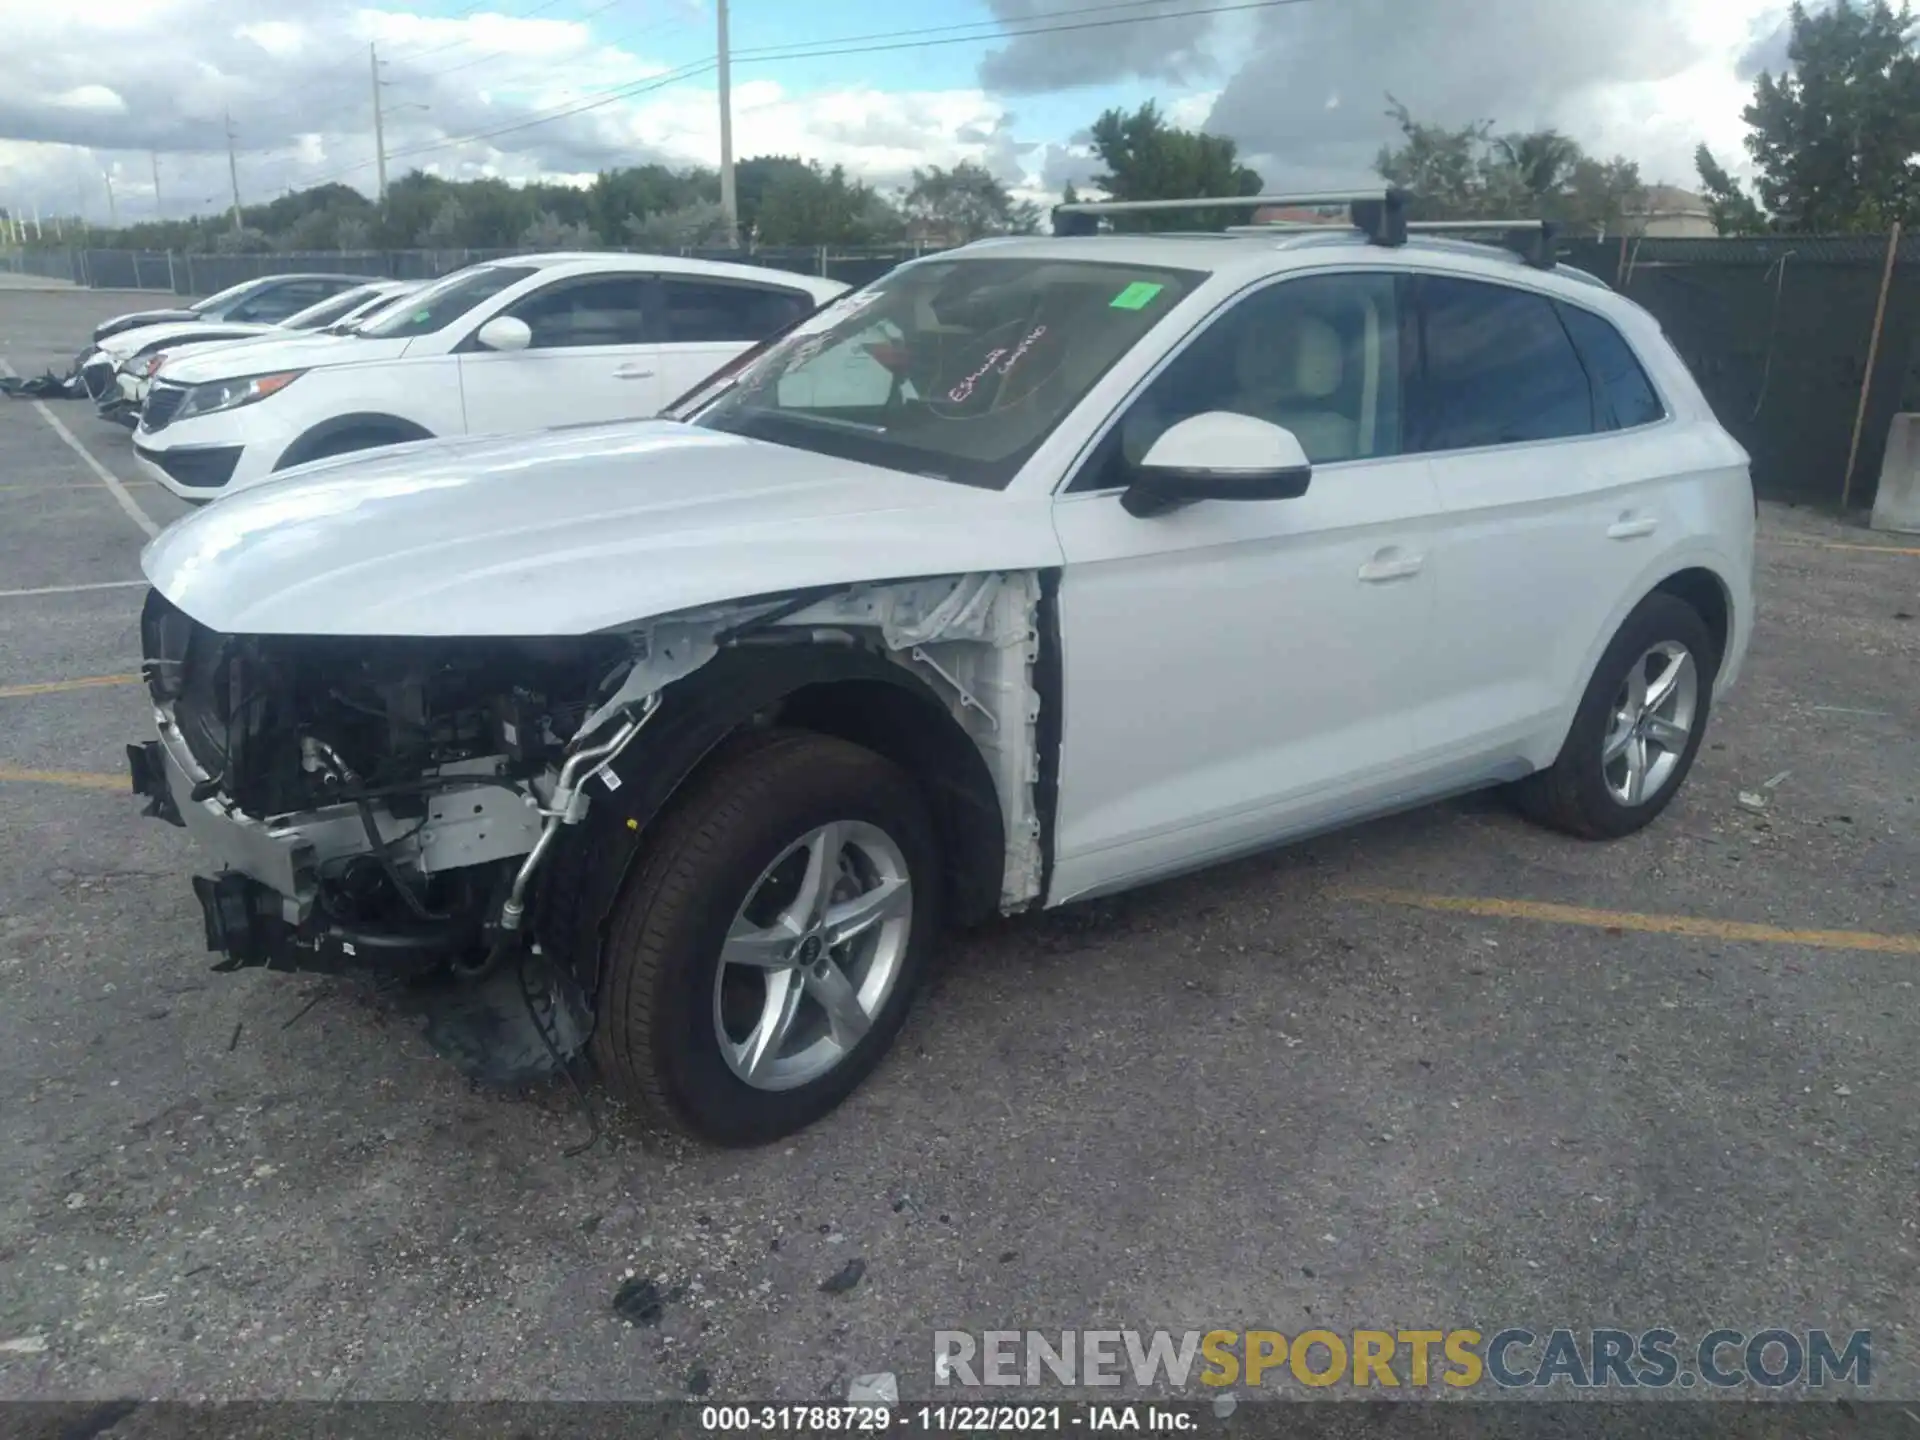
point(1495, 366)
point(708, 312)
point(277, 302)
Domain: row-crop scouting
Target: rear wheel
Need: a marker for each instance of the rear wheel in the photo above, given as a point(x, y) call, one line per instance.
point(765, 950)
point(1638, 728)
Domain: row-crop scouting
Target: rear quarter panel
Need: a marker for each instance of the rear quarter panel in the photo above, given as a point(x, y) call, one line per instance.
point(1697, 478)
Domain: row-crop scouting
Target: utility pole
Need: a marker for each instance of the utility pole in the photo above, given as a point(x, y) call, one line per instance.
point(154, 155)
point(113, 210)
point(379, 130)
point(233, 174)
point(38, 233)
point(729, 198)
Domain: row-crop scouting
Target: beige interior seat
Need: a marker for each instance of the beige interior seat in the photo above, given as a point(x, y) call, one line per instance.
point(1291, 378)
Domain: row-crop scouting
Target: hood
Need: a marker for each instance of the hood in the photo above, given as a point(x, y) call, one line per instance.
point(167, 331)
point(264, 355)
point(566, 532)
point(140, 317)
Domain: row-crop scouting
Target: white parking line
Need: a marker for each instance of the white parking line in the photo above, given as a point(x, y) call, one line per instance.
point(107, 478)
point(73, 589)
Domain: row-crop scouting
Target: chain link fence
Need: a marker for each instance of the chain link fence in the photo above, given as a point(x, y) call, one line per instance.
point(186, 274)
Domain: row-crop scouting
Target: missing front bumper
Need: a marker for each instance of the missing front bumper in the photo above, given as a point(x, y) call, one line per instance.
point(245, 925)
point(147, 770)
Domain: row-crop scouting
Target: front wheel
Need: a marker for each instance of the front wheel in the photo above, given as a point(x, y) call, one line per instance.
point(1637, 730)
point(765, 950)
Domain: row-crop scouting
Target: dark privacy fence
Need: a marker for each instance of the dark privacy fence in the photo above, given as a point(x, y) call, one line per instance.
point(1776, 329)
point(1777, 332)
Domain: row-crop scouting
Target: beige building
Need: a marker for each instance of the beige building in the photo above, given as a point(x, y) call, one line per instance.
point(1671, 213)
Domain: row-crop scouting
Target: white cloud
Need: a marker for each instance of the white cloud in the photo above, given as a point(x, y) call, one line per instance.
point(91, 97)
point(102, 83)
point(278, 38)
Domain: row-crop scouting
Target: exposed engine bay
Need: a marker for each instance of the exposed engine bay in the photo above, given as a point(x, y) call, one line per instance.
point(407, 805)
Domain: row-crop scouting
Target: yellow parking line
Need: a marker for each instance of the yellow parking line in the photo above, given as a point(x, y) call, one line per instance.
point(1841, 545)
point(55, 687)
point(75, 779)
point(1693, 925)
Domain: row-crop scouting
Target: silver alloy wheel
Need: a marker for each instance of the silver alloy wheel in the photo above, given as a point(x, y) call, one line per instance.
point(812, 955)
point(1653, 718)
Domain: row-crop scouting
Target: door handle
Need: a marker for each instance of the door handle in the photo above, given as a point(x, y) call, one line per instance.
point(1631, 527)
point(631, 374)
point(1390, 565)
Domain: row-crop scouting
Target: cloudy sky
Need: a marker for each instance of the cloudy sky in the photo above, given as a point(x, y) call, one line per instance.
point(97, 90)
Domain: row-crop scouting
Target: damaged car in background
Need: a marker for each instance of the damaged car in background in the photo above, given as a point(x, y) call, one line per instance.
point(265, 301)
point(132, 358)
point(1035, 571)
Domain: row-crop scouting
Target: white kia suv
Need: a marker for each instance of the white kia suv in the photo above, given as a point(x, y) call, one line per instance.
point(1035, 570)
point(516, 344)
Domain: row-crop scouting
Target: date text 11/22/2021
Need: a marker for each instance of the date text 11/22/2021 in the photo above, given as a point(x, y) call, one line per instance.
point(936, 1419)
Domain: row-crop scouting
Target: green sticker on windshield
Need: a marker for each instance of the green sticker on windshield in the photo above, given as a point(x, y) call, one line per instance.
point(1136, 296)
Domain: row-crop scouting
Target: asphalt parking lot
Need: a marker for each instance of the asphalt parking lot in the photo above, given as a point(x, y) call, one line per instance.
point(1444, 1070)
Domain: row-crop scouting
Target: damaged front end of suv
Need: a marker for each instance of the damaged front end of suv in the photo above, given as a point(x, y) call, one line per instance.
point(468, 809)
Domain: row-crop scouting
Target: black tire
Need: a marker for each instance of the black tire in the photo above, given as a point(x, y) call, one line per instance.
point(655, 1040)
point(1572, 795)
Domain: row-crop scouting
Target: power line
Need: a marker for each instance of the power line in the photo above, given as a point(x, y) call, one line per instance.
point(848, 48)
point(992, 33)
point(847, 45)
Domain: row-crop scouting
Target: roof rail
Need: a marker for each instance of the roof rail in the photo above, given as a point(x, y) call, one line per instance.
point(1532, 240)
point(1381, 213)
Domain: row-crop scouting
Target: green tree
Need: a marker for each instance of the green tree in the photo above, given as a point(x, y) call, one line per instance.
point(699, 225)
point(1469, 173)
point(1835, 137)
point(1734, 211)
point(1542, 162)
point(1148, 159)
point(793, 203)
point(448, 228)
point(617, 198)
point(965, 203)
point(547, 231)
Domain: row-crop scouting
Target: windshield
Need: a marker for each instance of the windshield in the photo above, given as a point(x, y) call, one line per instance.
point(381, 309)
point(955, 369)
point(330, 309)
point(445, 301)
point(220, 299)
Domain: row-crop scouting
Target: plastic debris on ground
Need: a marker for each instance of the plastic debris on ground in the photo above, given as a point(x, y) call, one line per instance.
point(881, 1389)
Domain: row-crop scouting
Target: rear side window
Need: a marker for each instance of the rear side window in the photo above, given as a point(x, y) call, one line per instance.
point(1495, 367)
point(702, 311)
point(1621, 389)
point(278, 302)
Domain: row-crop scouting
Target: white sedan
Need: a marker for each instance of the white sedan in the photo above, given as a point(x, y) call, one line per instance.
point(510, 345)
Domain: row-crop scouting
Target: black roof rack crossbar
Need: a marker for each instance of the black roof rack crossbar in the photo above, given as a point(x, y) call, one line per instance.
point(1382, 213)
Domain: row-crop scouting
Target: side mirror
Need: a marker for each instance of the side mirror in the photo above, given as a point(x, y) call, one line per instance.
point(1218, 456)
point(504, 332)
